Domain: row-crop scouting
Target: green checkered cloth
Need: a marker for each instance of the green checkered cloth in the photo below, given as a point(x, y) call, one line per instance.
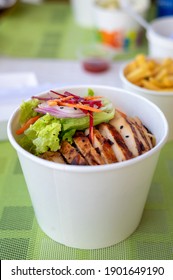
point(47, 31)
point(22, 238)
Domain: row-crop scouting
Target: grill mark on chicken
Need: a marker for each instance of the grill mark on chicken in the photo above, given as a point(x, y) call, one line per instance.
point(139, 144)
point(142, 144)
point(53, 156)
point(71, 155)
point(141, 135)
point(104, 146)
point(87, 150)
point(128, 133)
point(119, 147)
point(144, 131)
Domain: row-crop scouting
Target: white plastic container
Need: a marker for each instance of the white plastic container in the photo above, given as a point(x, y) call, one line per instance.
point(160, 37)
point(93, 207)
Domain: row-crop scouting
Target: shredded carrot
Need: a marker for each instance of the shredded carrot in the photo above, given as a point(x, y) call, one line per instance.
point(81, 106)
point(56, 101)
point(66, 98)
point(92, 97)
point(27, 124)
point(52, 102)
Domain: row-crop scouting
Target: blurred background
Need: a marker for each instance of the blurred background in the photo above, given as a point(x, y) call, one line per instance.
point(59, 42)
point(56, 28)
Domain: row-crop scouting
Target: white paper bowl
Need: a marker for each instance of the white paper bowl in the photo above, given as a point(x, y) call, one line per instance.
point(163, 99)
point(160, 37)
point(92, 207)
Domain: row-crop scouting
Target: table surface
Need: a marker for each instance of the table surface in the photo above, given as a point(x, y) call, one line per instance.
point(20, 235)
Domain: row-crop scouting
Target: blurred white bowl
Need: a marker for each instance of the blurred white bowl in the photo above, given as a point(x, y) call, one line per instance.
point(160, 37)
point(92, 207)
point(163, 99)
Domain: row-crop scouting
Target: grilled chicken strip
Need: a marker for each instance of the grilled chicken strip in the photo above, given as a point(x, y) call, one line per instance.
point(145, 143)
point(128, 133)
point(133, 133)
point(103, 146)
point(148, 136)
point(53, 156)
point(87, 150)
point(71, 155)
point(118, 145)
point(119, 140)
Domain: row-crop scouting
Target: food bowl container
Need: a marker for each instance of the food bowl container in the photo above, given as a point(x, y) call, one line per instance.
point(91, 207)
point(160, 37)
point(115, 27)
point(163, 99)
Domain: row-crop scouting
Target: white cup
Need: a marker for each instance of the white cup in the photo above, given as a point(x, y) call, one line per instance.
point(118, 29)
point(91, 207)
point(83, 12)
point(160, 37)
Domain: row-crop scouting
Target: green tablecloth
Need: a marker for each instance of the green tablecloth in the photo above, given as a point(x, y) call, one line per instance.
point(21, 237)
point(48, 31)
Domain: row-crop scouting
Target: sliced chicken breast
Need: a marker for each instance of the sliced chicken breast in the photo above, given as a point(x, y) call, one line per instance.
point(53, 156)
point(103, 147)
point(149, 138)
point(71, 155)
point(128, 133)
point(119, 140)
point(118, 145)
point(145, 145)
point(87, 150)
